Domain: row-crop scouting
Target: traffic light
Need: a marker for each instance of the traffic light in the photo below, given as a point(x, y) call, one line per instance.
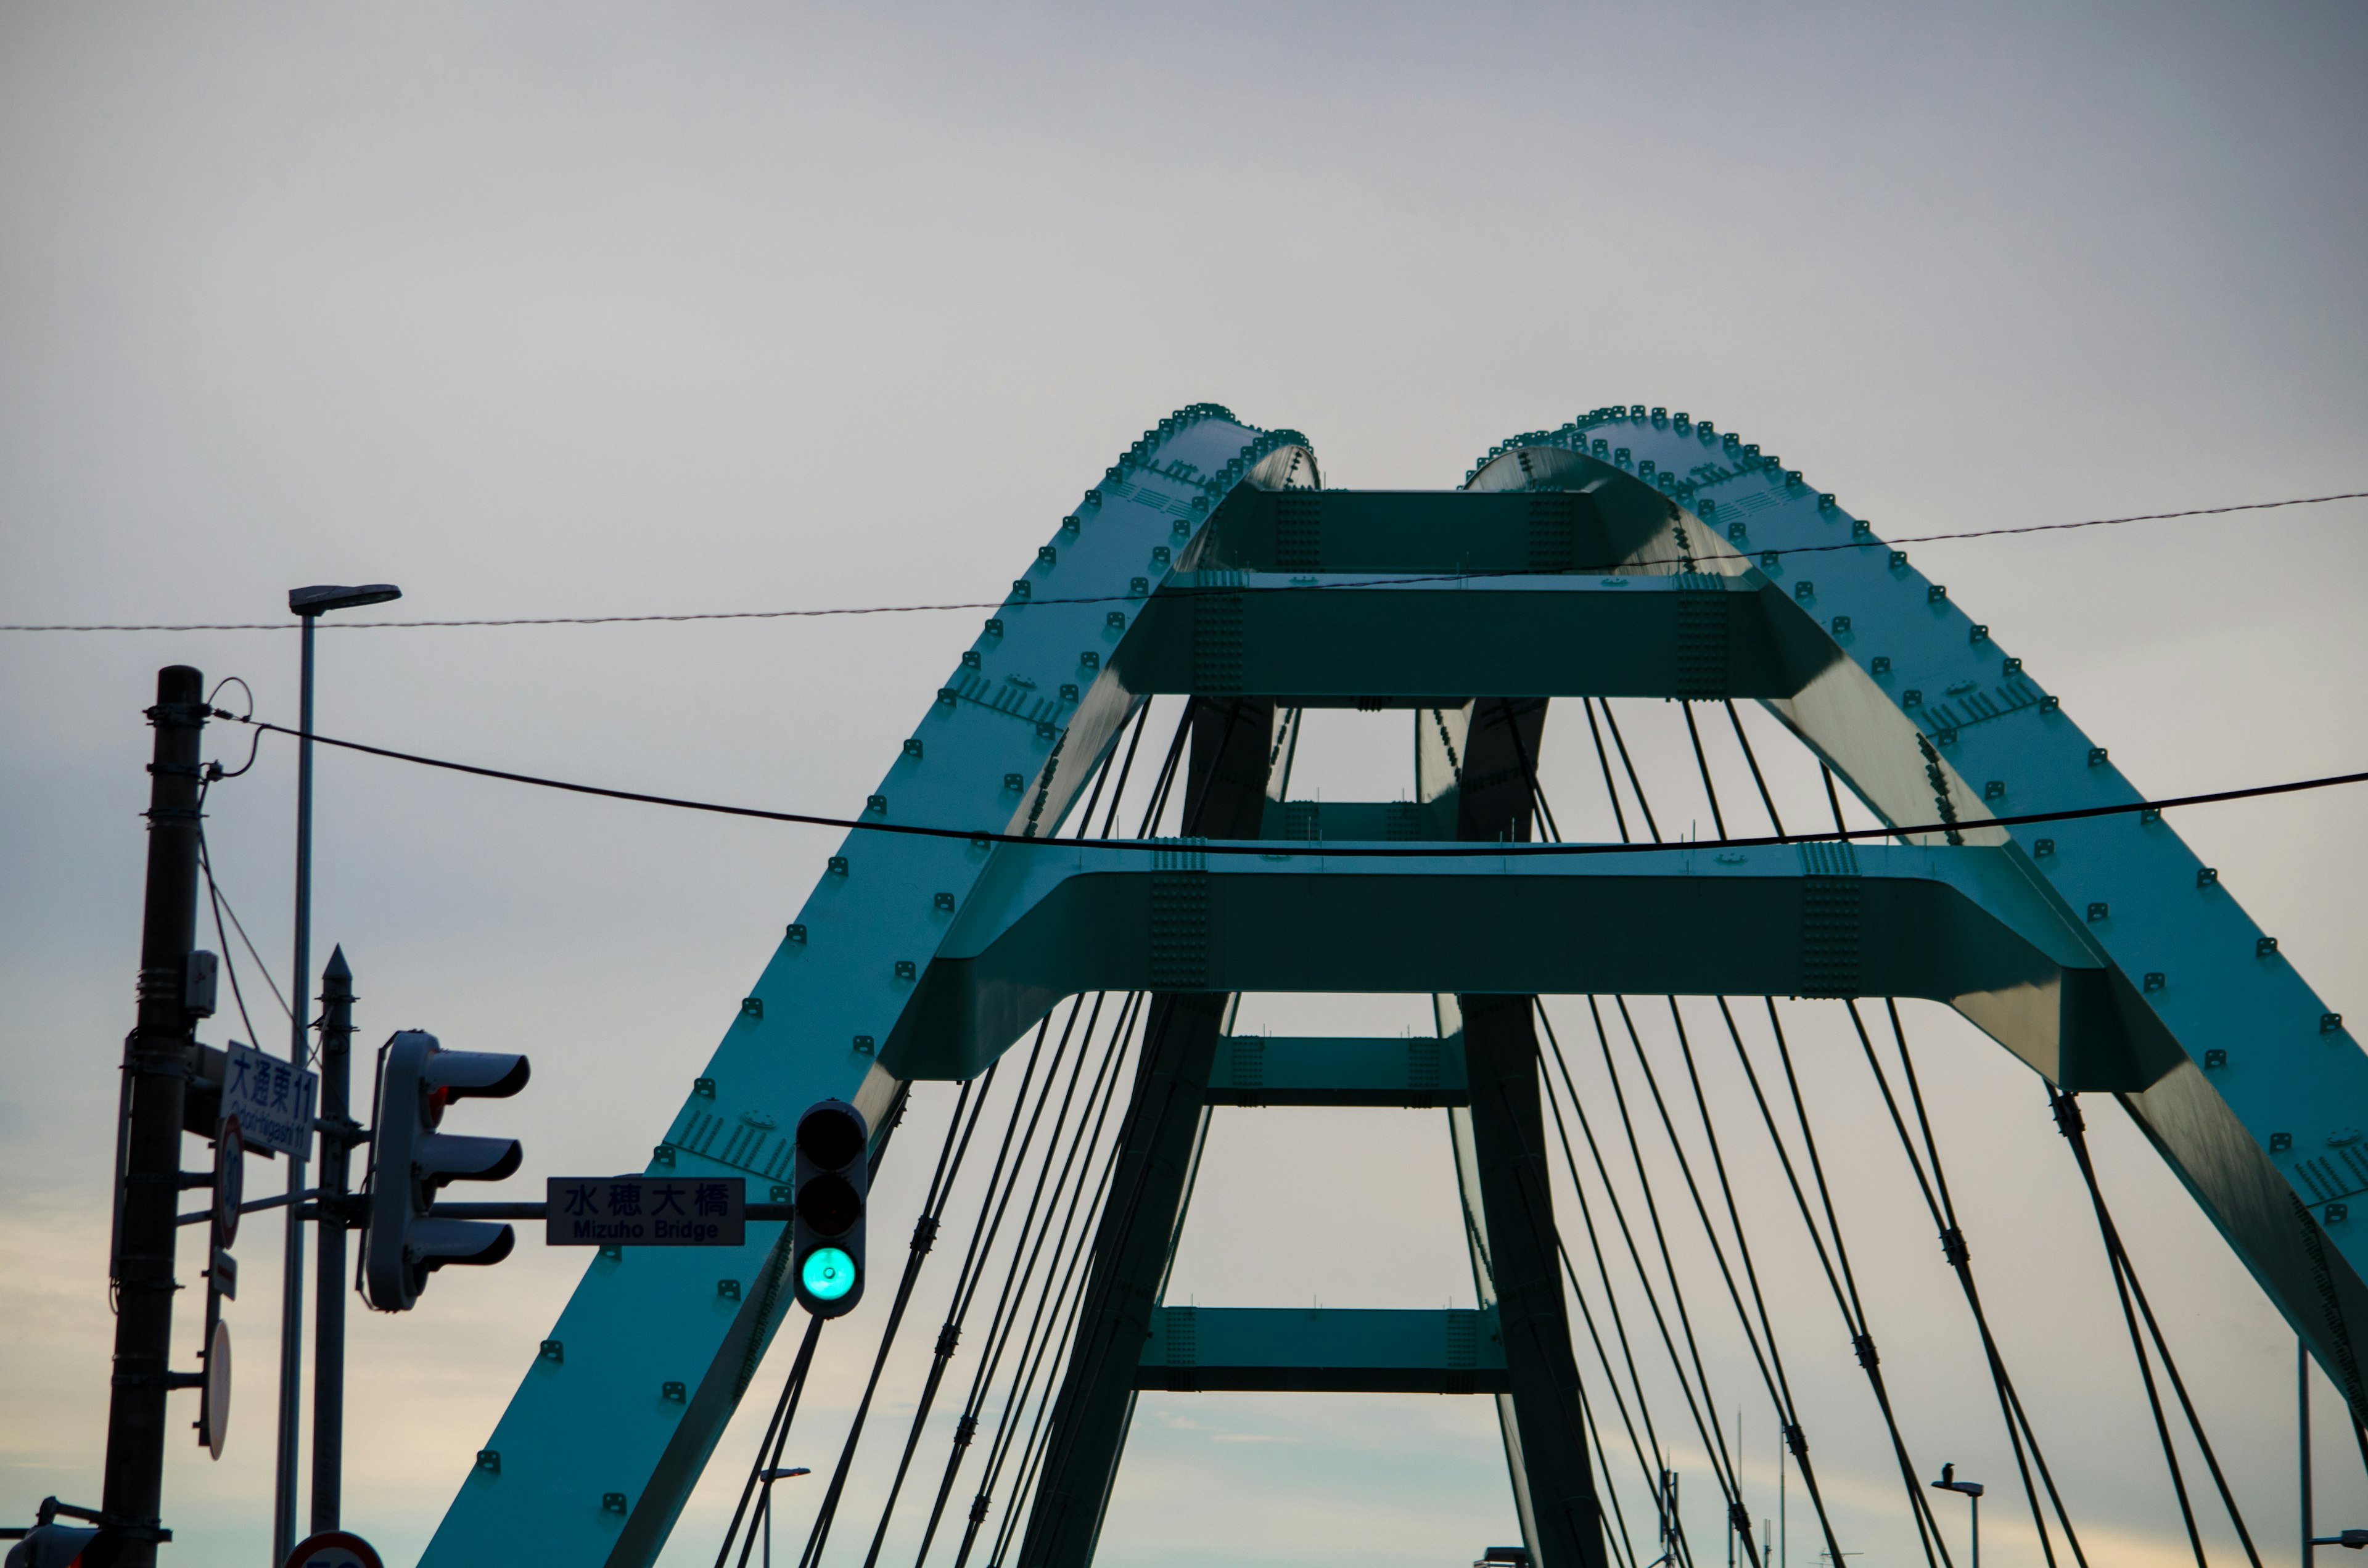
point(833, 1174)
point(409, 1160)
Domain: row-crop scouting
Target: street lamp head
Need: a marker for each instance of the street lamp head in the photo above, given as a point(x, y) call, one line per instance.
point(322, 598)
point(784, 1474)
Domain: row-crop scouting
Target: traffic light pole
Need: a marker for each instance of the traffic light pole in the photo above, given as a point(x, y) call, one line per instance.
point(338, 1133)
point(158, 1059)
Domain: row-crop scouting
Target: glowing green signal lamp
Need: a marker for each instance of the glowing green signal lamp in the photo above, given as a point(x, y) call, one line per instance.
point(828, 1274)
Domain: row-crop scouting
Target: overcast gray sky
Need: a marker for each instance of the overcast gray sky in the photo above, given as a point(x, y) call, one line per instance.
point(544, 310)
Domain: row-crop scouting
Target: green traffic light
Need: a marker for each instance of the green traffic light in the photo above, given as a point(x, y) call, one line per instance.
point(828, 1274)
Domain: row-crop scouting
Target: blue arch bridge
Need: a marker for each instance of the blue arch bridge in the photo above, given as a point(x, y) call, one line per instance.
point(1631, 553)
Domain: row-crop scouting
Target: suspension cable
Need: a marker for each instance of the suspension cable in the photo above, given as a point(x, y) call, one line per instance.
point(1796, 1439)
point(950, 1334)
point(1745, 741)
point(1033, 1453)
point(1637, 789)
point(1959, 1256)
point(1077, 1144)
point(967, 1427)
point(1610, 793)
point(2074, 1127)
point(1038, 1342)
point(768, 1449)
point(1650, 1470)
point(1710, 790)
point(1722, 1463)
point(1854, 1314)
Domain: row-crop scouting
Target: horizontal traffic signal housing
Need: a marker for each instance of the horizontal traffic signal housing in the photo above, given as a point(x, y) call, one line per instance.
point(411, 1159)
point(834, 1180)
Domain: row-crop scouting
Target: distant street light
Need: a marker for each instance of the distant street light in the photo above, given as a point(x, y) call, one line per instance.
point(1972, 1491)
point(765, 1505)
point(309, 605)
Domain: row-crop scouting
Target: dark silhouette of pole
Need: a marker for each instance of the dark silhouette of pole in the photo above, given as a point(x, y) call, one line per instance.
point(337, 1131)
point(291, 1294)
point(158, 1060)
point(308, 605)
point(2302, 1423)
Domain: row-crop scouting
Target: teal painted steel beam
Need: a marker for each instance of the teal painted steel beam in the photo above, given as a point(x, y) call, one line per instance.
point(1969, 926)
point(613, 1421)
point(1285, 1069)
point(1322, 1350)
point(1335, 639)
point(1591, 526)
point(1344, 822)
point(1926, 713)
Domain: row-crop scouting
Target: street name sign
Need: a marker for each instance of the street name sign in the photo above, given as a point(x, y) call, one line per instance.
point(272, 1099)
point(646, 1211)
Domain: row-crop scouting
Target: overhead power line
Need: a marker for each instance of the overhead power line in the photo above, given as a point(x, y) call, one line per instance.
point(837, 610)
point(1461, 851)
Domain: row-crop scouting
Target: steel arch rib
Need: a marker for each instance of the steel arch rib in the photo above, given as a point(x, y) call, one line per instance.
point(592, 1461)
point(2246, 1083)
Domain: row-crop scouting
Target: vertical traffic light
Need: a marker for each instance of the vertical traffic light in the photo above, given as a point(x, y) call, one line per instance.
point(834, 1176)
point(409, 1160)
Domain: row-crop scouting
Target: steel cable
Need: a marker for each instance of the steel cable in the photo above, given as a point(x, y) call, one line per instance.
point(1033, 1349)
point(2070, 1123)
point(1001, 1339)
point(1959, 1256)
point(1854, 1313)
point(1650, 1468)
point(967, 1425)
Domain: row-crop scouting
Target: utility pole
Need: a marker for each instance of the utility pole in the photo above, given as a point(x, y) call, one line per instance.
point(339, 1135)
point(158, 1059)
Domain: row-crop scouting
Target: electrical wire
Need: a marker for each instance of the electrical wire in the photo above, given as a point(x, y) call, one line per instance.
point(1684, 561)
point(1266, 847)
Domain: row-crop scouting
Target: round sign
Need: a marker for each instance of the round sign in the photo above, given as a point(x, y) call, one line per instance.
point(229, 1181)
point(217, 1395)
point(334, 1549)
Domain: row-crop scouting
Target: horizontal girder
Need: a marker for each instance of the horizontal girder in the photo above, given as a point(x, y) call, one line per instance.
point(1261, 1069)
point(1322, 1350)
point(1594, 525)
point(1969, 926)
point(1437, 640)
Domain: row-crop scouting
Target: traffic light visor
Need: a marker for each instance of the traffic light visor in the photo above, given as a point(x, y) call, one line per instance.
point(828, 1274)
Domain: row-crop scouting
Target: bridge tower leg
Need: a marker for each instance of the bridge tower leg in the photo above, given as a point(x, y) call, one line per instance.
point(1225, 796)
point(1473, 772)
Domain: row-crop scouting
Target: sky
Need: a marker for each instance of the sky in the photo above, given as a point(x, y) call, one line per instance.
point(598, 308)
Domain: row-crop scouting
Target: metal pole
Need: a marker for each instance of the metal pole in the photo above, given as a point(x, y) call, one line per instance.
point(157, 1059)
point(338, 1130)
point(291, 1312)
point(1977, 1529)
point(2302, 1428)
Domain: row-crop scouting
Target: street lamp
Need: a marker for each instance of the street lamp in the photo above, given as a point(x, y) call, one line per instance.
point(309, 605)
point(1972, 1491)
point(765, 1504)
